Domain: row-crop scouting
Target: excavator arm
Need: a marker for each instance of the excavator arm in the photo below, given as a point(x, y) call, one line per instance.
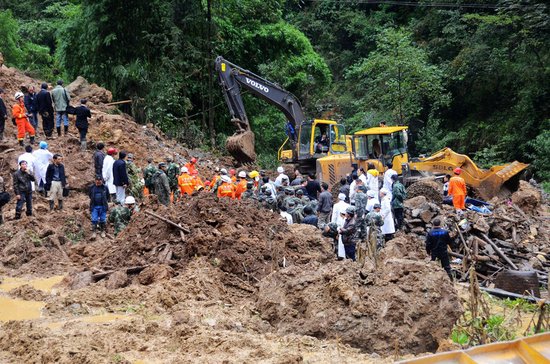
point(233, 79)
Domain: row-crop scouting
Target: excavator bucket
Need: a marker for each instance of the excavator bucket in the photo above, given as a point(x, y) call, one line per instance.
point(497, 175)
point(241, 147)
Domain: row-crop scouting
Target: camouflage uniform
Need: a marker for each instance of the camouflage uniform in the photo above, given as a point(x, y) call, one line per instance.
point(375, 221)
point(248, 195)
point(119, 217)
point(172, 172)
point(134, 176)
point(360, 206)
point(148, 174)
point(162, 187)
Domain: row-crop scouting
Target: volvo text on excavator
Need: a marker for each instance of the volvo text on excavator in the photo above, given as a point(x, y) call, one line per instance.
point(307, 140)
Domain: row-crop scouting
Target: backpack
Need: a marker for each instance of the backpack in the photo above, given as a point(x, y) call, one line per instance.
point(4, 198)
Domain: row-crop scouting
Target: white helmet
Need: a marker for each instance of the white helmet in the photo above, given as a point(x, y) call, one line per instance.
point(184, 170)
point(226, 179)
point(129, 200)
point(18, 95)
point(242, 174)
point(280, 170)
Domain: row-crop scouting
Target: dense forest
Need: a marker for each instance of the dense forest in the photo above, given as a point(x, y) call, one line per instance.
point(473, 75)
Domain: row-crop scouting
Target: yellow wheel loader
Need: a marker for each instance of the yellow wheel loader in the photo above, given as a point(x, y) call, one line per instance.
point(383, 145)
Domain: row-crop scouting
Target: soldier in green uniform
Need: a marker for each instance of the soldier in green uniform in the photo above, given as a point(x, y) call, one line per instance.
point(172, 172)
point(161, 185)
point(134, 176)
point(120, 215)
point(360, 209)
point(249, 193)
point(374, 221)
point(148, 174)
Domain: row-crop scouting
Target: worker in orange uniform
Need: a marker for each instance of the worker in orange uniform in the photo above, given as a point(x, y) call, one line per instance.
point(192, 166)
point(232, 174)
point(186, 182)
point(457, 189)
point(241, 185)
point(199, 184)
point(227, 188)
point(255, 176)
point(22, 119)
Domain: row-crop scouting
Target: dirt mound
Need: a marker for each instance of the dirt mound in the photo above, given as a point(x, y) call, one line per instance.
point(28, 293)
point(407, 304)
point(229, 233)
point(84, 90)
point(527, 197)
point(430, 189)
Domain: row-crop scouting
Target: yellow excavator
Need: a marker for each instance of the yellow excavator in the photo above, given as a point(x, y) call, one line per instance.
point(383, 145)
point(307, 140)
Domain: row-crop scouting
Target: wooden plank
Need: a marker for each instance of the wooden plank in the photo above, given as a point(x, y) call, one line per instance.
point(499, 252)
point(184, 229)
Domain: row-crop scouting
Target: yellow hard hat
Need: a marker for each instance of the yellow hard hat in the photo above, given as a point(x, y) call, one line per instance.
point(253, 174)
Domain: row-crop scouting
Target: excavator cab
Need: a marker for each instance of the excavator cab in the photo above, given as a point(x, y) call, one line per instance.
point(381, 145)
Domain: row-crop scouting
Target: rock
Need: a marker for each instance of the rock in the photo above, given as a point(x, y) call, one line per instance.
point(526, 197)
point(427, 216)
point(155, 273)
point(81, 89)
point(415, 202)
point(481, 225)
point(429, 189)
point(536, 263)
point(82, 280)
point(118, 279)
point(416, 212)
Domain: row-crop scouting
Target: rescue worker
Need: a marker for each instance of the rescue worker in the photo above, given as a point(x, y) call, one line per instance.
point(161, 186)
point(255, 176)
point(42, 158)
point(373, 182)
point(82, 114)
point(398, 196)
point(61, 100)
point(324, 208)
point(281, 176)
point(148, 173)
point(172, 172)
point(249, 193)
point(372, 199)
point(186, 182)
point(388, 182)
point(30, 105)
point(436, 245)
point(98, 158)
point(107, 172)
point(241, 185)
point(232, 174)
point(457, 189)
point(374, 223)
point(56, 181)
point(348, 233)
point(19, 113)
point(285, 215)
point(338, 210)
point(192, 166)
point(330, 230)
point(216, 180)
point(44, 105)
point(120, 216)
point(4, 198)
point(99, 198)
point(226, 188)
point(134, 177)
point(360, 211)
point(120, 176)
point(309, 217)
point(197, 181)
point(23, 190)
point(388, 229)
point(296, 211)
point(3, 114)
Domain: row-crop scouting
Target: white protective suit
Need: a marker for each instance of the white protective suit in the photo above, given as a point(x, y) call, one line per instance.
point(41, 162)
point(107, 172)
point(388, 227)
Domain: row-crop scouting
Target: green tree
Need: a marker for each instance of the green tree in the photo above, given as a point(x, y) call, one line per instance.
point(11, 45)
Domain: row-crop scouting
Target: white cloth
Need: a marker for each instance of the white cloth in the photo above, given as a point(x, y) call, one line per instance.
point(107, 172)
point(370, 203)
point(352, 192)
point(364, 179)
point(279, 179)
point(388, 181)
point(120, 194)
point(41, 162)
point(373, 183)
point(341, 249)
point(337, 209)
point(287, 216)
point(388, 227)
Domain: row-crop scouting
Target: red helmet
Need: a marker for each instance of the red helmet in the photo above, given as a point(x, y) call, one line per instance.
point(111, 151)
point(193, 160)
point(194, 172)
point(232, 172)
point(457, 170)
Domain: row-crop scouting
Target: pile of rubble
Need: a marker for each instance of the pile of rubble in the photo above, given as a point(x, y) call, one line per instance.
point(515, 236)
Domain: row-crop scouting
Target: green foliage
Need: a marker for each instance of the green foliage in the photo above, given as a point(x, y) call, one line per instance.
point(460, 337)
point(541, 155)
point(10, 46)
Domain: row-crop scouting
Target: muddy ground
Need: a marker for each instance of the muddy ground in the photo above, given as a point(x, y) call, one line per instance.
point(235, 285)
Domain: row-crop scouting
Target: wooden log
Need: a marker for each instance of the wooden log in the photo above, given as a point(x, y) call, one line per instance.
point(499, 252)
point(132, 270)
point(184, 229)
point(119, 102)
point(505, 219)
point(514, 234)
point(505, 294)
point(521, 213)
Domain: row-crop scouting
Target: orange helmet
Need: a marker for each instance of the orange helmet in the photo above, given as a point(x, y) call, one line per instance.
point(457, 170)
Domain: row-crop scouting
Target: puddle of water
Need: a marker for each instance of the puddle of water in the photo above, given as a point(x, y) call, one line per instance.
point(16, 309)
point(43, 284)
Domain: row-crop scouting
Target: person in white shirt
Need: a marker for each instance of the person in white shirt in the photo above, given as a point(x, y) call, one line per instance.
point(388, 229)
point(362, 176)
point(107, 172)
point(372, 199)
point(285, 215)
point(338, 210)
point(281, 176)
point(42, 160)
point(372, 177)
point(353, 188)
point(387, 178)
point(30, 159)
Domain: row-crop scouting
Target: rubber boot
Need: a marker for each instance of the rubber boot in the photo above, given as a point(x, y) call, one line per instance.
point(60, 205)
point(20, 142)
point(32, 140)
point(1, 219)
point(94, 233)
point(52, 205)
point(65, 129)
point(102, 229)
point(83, 146)
point(17, 215)
point(58, 131)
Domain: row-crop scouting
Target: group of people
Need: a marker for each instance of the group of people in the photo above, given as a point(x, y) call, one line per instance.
point(29, 104)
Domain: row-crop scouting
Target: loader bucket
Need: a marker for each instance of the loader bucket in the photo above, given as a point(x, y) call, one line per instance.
point(497, 176)
point(241, 147)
